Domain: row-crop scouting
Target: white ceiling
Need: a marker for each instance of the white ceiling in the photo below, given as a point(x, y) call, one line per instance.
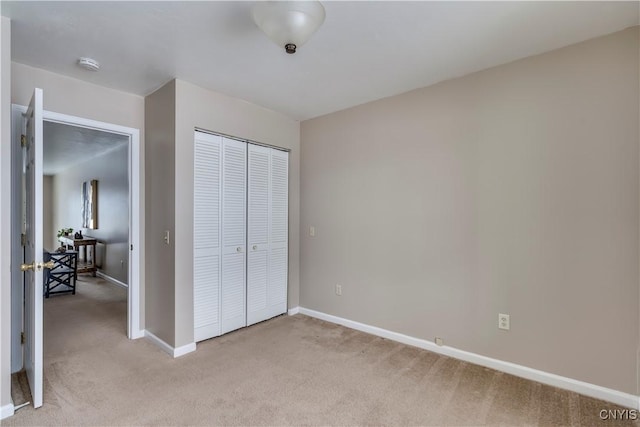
point(365, 50)
point(66, 146)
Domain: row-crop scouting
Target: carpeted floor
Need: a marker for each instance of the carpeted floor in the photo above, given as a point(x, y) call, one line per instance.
point(286, 371)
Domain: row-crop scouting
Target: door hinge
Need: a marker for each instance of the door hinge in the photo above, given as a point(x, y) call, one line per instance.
point(23, 140)
point(22, 340)
point(131, 247)
point(23, 239)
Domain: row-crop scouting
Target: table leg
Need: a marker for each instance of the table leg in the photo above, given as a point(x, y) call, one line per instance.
point(93, 260)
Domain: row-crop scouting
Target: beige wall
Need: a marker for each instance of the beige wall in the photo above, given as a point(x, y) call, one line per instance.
point(77, 98)
point(198, 107)
point(5, 211)
point(160, 119)
point(512, 190)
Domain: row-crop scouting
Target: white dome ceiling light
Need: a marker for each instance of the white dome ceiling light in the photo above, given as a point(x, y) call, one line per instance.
point(289, 23)
point(88, 64)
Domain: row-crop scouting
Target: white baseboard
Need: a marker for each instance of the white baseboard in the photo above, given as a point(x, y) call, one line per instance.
point(581, 387)
point(137, 334)
point(293, 311)
point(6, 411)
point(160, 343)
point(181, 351)
point(111, 279)
point(171, 351)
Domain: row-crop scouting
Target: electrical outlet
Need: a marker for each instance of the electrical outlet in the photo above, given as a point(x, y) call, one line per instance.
point(504, 321)
point(439, 341)
point(312, 231)
point(338, 289)
point(166, 237)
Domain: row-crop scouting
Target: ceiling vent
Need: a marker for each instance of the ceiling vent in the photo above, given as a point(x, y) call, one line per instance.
point(89, 64)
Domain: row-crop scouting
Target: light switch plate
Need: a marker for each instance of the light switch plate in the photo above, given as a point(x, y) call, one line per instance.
point(312, 231)
point(504, 322)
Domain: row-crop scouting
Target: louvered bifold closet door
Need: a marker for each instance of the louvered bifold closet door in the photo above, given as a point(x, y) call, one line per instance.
point(258, 226)
point(279, 235)
point(234, 238)
point(267, 233)
point(206, 235)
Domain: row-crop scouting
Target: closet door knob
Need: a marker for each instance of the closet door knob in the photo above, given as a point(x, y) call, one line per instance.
point(255, 247)
point(239, 249)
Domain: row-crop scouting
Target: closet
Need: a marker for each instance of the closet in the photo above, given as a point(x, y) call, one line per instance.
point(240, 234)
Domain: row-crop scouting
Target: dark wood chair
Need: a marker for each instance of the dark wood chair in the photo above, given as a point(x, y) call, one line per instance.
point(62, 277)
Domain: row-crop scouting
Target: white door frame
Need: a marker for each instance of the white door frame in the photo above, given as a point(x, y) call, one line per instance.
point(17, 251)
point(134, 330)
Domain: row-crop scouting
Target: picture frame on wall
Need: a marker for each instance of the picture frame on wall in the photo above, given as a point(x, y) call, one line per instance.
point(90, 204)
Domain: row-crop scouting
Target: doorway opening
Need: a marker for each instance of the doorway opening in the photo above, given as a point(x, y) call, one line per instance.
point(81, 149)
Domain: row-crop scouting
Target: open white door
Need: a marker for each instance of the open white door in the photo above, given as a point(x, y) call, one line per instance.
point(33, 248)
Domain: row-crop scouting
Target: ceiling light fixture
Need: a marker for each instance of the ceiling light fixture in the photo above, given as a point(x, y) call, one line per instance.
point(289, 23)
point(88, 64)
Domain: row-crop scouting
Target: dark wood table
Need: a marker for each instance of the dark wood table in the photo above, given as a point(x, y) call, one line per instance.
point(86, 264)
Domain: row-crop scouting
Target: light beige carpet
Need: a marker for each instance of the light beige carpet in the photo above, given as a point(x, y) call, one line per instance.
point(286, 371)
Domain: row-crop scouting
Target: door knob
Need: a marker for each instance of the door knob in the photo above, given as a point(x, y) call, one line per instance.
point(239, 249)
point(37, 266)
point(255, 247)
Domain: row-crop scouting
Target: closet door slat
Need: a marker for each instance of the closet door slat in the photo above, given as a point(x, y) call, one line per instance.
point(259, 209)
point(279, 254)
point(206, 235)
point(234, 225)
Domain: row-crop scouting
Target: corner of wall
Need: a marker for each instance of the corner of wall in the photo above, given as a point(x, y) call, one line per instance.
point(5, 216)
point(638, 371)
point(159, 154)
point(636, 30)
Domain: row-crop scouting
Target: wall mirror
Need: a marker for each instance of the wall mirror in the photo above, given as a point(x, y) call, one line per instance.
point(90, 204)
